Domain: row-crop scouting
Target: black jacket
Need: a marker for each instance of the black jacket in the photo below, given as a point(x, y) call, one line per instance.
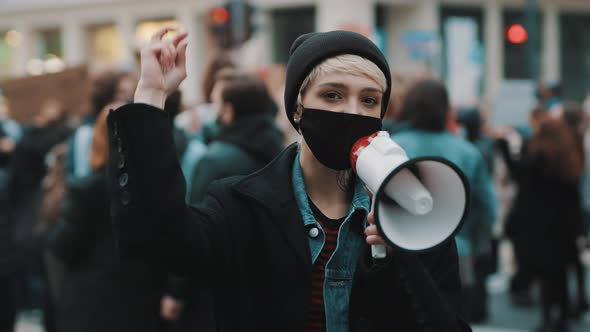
point(247, 238)
point(240, 148)
point(99, 292)
point(546, 216)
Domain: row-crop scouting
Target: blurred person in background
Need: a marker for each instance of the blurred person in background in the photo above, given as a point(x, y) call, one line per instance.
point(274, 77)
point(10, 133)
point(426, 110)
point(472, 121)
point(266, 242)
point(247, 138)
point(173, 108)
point(107, 87)
point(549, 97)
point(192, 121)
point(573, 116)
point(546, 216)
point(99, 292)
point(27, 169)
point(391, 123)
point(199, 123)
point(508, 141)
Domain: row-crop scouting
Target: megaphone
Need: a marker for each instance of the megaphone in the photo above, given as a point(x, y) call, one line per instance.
point(417, 203)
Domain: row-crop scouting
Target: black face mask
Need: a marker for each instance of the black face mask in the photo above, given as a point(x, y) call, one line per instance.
point(331, 135)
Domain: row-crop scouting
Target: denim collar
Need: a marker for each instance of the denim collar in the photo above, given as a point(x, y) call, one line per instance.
point(360, 199)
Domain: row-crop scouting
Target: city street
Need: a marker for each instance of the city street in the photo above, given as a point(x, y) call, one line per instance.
point(504, 317)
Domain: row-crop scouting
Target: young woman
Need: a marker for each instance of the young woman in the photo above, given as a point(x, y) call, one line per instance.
point(287, 247)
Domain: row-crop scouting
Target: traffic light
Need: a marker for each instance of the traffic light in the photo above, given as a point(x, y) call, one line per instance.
point(517, 34)
point(232, 23)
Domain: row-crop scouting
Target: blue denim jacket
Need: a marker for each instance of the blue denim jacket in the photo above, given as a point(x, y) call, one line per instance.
point(341, 266)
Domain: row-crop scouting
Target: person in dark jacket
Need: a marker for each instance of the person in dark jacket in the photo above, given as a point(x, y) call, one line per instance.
point(547, 214)
point(247, 138)
point(26, 170)
point(286, 248)
point(99, 293)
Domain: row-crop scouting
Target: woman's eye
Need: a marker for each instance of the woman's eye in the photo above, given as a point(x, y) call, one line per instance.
point(331, 95)
point(370, 101)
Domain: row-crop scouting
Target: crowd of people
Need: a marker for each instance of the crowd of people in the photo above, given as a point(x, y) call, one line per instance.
point(67, 249)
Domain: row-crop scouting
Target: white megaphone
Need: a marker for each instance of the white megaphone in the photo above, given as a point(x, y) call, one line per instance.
point(417, 203)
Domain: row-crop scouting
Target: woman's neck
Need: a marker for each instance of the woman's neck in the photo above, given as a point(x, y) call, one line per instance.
point(322, 186)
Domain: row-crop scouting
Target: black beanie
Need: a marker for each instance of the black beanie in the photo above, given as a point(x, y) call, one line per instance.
point(309, 50)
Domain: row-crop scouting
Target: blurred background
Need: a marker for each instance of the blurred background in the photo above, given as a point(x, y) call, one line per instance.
point(63, 61)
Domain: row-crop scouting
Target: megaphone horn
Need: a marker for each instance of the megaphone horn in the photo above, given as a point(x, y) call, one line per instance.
point(419, 203)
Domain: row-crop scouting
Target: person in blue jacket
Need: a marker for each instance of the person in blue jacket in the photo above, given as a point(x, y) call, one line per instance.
point(425, 111)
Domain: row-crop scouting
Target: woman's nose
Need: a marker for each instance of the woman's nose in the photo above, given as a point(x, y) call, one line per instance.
point(353, 107)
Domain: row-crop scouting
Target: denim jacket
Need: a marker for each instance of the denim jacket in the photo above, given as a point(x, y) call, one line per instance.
point(340, 268)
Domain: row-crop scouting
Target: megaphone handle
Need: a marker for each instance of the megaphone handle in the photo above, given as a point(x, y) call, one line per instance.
point(378, 251)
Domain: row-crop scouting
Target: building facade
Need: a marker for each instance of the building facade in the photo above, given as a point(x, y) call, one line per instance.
point(464, 41)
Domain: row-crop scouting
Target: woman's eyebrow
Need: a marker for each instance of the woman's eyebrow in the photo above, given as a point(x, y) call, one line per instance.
point(335, 85)
point(372, 90)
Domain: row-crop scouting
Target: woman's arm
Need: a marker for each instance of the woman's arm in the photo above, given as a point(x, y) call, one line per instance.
point(151, 219)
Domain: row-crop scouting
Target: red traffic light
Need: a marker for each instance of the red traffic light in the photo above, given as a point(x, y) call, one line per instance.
point(517, 34)
point(219, 15)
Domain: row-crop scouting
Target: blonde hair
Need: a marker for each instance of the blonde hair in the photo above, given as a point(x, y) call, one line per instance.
point(348, 64)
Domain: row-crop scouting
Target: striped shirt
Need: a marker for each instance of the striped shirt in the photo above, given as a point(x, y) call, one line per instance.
point(316, 316)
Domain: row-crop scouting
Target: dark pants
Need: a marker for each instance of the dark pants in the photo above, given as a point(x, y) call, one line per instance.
point(476, 295)
point(7, 304)
point(580, 270)
point(522, 280)
point(554, 293)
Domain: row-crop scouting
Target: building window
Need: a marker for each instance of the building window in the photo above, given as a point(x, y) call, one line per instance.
point(463, 53)
point(47, 52)
point(288, 24)
point(575, 55)
point(105, 46)
point(8, 41)
point(49, 43)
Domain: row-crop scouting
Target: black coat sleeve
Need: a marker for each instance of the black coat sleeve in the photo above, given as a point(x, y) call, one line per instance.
point(147, 190)
point(417, 292)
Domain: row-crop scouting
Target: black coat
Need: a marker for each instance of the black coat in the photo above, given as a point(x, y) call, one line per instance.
point(99, 293)
point(546, 215)
point(248, 240)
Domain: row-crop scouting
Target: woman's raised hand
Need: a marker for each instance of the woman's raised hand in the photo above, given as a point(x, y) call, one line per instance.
point(163, 68)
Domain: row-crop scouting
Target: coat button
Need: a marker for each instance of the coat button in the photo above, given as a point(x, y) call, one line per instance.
point(125, 198)
point(421, 318)
point(314, 232)
point(121, 163)
point(123, 179)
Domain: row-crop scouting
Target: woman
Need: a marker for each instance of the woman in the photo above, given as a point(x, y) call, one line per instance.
point(547, 215)
point(284, 248)
point(99, 293)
